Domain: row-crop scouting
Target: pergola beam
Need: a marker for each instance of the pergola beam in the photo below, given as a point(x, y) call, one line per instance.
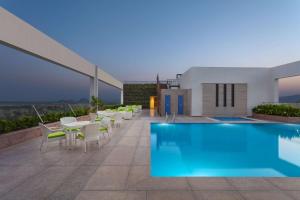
point(22, 36)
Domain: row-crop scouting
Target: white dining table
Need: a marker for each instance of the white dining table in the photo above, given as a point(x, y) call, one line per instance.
point(71, 134)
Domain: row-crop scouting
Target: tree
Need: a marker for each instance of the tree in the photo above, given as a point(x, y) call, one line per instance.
point(96, 103)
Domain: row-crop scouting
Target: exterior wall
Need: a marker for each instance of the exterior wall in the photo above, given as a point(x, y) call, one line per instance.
point(209, 100)
point(139, 94)
point(174, 93)
point(261, 85)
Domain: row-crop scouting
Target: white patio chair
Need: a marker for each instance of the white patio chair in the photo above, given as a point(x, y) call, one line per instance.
point(118, 120)
point(126, 115)
point(89, 133)
point(106, 123)
point(72, 132)
point(93, 117)
point(51, 135)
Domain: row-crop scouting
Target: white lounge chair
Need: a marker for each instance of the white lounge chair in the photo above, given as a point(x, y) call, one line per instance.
point(51, 135)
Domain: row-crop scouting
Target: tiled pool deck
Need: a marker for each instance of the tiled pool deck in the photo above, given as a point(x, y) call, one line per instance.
point(120, 171)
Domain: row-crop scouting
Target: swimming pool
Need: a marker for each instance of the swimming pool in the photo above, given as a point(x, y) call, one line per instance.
point(227, 150)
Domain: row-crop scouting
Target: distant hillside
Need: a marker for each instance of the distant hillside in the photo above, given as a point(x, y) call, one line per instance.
point(290, 99)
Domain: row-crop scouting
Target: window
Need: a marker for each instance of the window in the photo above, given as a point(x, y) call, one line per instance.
point(225, 95)
point(217, 95)
point(232, 95)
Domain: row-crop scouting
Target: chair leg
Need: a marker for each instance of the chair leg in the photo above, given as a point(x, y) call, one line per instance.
point(41, 145)
point(99, 143)
point(66, 142)
point(84, 146)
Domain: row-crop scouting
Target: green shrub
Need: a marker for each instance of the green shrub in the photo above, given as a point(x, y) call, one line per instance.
point(105, 107)
point(280, 110)
point(31, 121)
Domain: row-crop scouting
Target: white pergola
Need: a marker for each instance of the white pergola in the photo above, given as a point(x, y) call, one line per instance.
point(20, 35)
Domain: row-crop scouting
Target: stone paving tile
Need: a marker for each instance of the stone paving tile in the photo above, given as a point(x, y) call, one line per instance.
point(144, 142)
point(71, 186)
point(218, 195)
point(40, 186)
point(98, 158)
point(142, 156)
point(251, 184)
point(120, 156)
point(11, 176)
point(108, 178)
point(128, 141)
point(286, 183)
point(172, 195)
point(294, 194)
point(112, 195)
point(139, 179)
point(203, 183)
point(265, 195)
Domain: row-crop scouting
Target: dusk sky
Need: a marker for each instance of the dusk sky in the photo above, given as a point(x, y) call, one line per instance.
point(136, 39)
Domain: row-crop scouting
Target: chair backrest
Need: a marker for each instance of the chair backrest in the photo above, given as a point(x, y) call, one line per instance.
point(66, 120)
point(93, 117)
point(100, 113)
point(45, 130)
point(91, 131)
point(106, 121)
point(118, 116)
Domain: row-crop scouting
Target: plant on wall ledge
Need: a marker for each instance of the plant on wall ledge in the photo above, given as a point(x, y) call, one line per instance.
point(96, 104)
point(279, 110)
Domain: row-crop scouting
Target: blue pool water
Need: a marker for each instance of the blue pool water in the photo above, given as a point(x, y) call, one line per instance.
point(232, 119)
point(229, 150)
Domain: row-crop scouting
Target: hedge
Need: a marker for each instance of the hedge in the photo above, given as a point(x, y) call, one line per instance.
point(31, 121)
point(279, 110)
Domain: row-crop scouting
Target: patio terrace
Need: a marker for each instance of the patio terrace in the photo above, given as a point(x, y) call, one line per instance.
point(120, 170)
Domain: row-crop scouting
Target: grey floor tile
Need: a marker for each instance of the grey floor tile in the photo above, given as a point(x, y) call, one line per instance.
point(41, 185)
point(142, 156)
point(120, 156)
point(108, 178)
point(112, 195)
point(251, 184)
point(72, 185)
point(128, 141)
point(286, 183)
point(203, 183)
point(139, 179)
point(265, 195)
point(218, 195)
point(174, 195)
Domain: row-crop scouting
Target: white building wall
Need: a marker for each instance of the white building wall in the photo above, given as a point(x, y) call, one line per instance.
point(262, 86)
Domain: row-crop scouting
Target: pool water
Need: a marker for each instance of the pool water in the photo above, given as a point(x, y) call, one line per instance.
point(232, 119)
point(227, 150)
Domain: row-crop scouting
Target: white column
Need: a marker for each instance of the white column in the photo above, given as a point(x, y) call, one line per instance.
point(94, 84)
point(122, 97)
point(276, 91)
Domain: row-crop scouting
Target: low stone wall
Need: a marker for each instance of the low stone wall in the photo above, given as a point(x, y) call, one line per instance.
point(276, 118)
point(15, 137)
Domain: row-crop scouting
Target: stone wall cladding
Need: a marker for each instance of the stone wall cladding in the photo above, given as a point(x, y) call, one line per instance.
point(209, 100)
point(16, 137)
